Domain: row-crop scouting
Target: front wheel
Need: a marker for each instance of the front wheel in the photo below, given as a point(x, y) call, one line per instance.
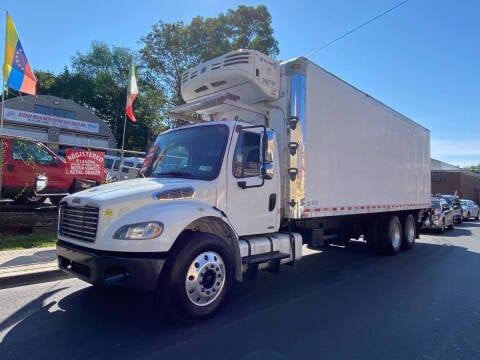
point(198, 277)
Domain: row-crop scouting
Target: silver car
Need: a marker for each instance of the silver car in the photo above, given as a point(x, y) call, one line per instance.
point(470, 209)
point(440, 216)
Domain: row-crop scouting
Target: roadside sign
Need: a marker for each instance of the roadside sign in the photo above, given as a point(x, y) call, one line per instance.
point(83, 162)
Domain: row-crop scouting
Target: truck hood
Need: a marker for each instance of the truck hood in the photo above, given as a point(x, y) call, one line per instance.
point(143, 191)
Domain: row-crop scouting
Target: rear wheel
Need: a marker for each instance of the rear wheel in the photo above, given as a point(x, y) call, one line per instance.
point(409, 232)
point(389, 235)
point(198, 277)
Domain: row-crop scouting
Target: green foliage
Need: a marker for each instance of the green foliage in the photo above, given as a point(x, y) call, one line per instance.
point(99, 81)
point(475, 168)
point(171, 48)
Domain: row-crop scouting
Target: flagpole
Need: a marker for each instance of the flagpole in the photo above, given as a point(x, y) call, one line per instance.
point(1, 139)
point(123, 143)
point(3, 100)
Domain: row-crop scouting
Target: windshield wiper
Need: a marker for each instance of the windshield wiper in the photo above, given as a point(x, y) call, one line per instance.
point(174, 174)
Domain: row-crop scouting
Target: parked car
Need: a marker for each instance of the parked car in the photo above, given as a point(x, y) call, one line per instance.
point(440, 216)
point(118, 171)
point(131, 166)
point(470, 209)
point(25, 160)
point(112, 164)
point(454, 202)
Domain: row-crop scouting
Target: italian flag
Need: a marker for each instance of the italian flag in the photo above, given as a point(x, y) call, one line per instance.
point(132, 92)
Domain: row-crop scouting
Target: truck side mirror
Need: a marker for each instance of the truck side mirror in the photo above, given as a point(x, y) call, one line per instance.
point(267, 171)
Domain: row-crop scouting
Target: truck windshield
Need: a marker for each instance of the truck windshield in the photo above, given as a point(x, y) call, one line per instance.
point(193, 153)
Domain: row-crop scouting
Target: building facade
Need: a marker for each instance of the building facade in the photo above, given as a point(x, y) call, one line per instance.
point(58, 122)
point(449, 179)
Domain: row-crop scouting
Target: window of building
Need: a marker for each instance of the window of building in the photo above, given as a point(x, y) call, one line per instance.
point(48, 110)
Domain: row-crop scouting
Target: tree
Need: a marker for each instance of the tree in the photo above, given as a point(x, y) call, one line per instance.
point(98, 80)
point(171, 48)
point(249, 28)
point(474, 168)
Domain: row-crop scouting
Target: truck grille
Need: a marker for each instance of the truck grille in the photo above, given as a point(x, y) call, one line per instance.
point(78, 222)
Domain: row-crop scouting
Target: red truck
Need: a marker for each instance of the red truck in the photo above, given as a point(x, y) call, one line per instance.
point(24, 159)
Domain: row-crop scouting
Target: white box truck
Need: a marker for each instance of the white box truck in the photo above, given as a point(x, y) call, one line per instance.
point(274, 156)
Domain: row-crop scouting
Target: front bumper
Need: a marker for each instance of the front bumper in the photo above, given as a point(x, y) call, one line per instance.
point(138, 270)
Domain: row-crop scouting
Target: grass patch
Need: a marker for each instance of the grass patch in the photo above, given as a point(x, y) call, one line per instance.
point(16, 242)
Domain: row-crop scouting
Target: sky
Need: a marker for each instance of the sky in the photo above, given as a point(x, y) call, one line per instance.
point(422, 59)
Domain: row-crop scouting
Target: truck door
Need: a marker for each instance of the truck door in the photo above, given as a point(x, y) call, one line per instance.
point(252, 193)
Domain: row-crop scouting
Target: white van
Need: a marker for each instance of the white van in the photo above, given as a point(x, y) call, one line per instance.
point(131, 166)
point(112, 164)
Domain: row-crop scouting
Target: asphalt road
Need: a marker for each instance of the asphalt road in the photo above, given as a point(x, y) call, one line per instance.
point(342, 303)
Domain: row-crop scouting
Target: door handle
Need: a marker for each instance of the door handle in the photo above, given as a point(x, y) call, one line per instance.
point(272, 201)
point(10, 167)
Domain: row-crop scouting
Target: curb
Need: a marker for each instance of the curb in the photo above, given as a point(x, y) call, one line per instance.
point(28, 276)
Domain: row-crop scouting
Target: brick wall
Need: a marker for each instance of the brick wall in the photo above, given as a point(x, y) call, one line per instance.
point(447, 182)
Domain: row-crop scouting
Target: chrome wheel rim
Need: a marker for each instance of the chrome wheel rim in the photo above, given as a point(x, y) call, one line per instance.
point(410, 232)
point(205, 278)
point(396, 237)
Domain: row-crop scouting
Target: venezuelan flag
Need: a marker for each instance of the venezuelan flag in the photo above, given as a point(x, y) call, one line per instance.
point(17, 73)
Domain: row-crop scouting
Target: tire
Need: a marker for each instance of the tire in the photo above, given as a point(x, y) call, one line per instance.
point(409, 232)
point(198, 277)
point(468, 216)
point(478, 215)
point(389, 235)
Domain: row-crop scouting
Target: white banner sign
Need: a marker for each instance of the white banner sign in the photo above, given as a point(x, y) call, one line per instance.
point(50, 121)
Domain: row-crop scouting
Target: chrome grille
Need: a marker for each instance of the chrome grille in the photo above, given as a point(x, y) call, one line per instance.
point(78, 222)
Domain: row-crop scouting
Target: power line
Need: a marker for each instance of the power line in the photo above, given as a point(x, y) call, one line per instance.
point(355, 29)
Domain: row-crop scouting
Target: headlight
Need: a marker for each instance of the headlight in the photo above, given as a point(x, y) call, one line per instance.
point(140, 231)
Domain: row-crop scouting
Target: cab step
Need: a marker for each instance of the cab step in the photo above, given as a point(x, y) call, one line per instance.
point(253, 261)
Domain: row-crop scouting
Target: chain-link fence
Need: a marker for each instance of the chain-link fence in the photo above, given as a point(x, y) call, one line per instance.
point(30, 172)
